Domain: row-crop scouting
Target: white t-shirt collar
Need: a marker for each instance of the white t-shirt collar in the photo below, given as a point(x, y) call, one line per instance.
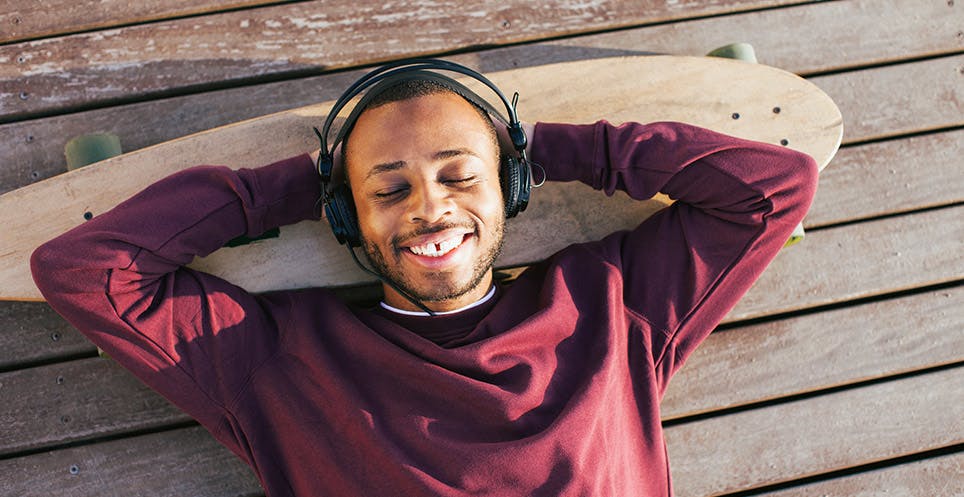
point(442, 313)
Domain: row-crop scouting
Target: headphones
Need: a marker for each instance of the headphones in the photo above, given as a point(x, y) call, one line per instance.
point(515, 172)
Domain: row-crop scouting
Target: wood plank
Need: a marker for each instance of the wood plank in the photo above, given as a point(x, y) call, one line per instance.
point(32, 332)
point(804, 39)
point(21, 20)
point(151, 59)
point(75, 401)
point(934, 477)
point(831, 432)
point(33, 150)
point(862, 260)
point(819, 351)
point(185, 462)
point(883, 102)
point(890, 177)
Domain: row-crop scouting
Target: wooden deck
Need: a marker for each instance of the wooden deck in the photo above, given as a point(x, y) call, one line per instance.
point(841, 372)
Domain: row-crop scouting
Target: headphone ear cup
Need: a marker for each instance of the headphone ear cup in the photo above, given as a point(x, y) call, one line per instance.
point(340, 211)
point(514, 178)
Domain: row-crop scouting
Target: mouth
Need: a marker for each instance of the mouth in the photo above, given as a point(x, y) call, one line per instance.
point(438, 248)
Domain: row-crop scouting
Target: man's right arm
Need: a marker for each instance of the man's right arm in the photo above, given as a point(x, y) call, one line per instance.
point(120, 279)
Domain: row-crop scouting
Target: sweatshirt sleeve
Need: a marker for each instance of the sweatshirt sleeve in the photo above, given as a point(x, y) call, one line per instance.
point(737, 203)
point(120, 279)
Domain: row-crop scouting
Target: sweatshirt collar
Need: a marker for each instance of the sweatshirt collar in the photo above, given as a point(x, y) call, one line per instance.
point(477, 303)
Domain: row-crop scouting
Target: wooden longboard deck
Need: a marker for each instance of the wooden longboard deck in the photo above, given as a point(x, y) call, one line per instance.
point(742, 99)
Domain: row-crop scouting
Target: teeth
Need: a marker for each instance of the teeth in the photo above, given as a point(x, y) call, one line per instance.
point(437, 249)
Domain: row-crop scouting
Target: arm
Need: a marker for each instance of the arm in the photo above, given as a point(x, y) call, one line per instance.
point(686, 267)
point(120, 280)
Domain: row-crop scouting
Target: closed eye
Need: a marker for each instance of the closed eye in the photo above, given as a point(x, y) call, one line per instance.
point(389, 193)
point(460, 181)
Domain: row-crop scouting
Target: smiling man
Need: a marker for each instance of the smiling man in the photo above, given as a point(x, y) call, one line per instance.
point(425, 172)
point(548, 386)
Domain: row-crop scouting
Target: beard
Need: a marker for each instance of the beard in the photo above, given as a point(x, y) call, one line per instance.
point(441, 285)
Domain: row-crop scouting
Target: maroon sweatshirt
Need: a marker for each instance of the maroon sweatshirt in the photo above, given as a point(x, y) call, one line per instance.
point(552, 387)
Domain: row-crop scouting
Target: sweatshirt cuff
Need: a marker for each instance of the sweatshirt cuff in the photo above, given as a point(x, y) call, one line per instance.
point(565, 151)
point(289, 190)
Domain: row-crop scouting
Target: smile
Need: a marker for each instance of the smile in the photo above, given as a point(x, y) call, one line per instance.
point(437, 249)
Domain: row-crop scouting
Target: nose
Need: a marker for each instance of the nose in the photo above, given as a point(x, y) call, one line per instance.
point(430, 202)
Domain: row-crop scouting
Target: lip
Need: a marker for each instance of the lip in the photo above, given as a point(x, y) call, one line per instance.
point(452, 257)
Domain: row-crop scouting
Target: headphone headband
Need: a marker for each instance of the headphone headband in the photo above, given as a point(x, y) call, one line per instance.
point(413, 69)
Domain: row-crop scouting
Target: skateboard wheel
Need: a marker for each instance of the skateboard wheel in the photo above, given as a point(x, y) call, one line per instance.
point(796, 236)
point(88, 149)
point(738, 51)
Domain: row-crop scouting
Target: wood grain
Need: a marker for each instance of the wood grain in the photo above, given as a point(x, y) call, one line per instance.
point(935, 477)
point(33, 150)
point(20, 20)
point(803, 354)
point(883, 102)
point(74, 401)
point(817, 435)
point(178, 463)
point(151, 59)
point(32, 332)
point(862, 260)
point(890, 177)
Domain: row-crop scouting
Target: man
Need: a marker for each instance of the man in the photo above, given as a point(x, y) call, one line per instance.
point(547, 386)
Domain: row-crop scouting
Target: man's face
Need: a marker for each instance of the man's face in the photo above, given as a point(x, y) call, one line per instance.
point(424, 174)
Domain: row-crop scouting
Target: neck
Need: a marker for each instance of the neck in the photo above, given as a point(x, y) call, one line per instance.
point(408, 312)
point(396, 300)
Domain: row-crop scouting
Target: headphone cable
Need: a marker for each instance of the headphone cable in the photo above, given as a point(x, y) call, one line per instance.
point(389, 282)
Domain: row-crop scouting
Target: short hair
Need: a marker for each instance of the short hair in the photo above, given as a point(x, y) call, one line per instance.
point(407, 89)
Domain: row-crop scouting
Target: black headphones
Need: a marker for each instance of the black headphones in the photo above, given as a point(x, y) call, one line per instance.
point(515, 172)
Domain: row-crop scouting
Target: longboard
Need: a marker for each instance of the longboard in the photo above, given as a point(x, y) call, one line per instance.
point(742, 99)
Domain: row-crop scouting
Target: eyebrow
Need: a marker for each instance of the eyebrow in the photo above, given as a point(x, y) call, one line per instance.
point(440, 155)
point(384, 168)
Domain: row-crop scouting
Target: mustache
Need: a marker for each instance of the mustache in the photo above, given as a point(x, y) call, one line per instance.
point(430, 229)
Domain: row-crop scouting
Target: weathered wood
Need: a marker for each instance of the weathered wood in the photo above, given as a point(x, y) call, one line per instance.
point(804, 39)
point(935, 477)
point(21, 20)
point(32, 332)
point(817, 435)
point(890, 177)
point(862, 260)
point(150, 59)
point(74, 401)
point(712, 456)
point(33, 150)
point(819, 351)
point(185, 462)
point(884, 102)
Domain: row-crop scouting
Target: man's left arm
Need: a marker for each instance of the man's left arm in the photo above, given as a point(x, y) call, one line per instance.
point(737, 202)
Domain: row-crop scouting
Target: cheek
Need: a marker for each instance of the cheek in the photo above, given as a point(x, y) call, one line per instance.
point(492, 205)
point(372, 223)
